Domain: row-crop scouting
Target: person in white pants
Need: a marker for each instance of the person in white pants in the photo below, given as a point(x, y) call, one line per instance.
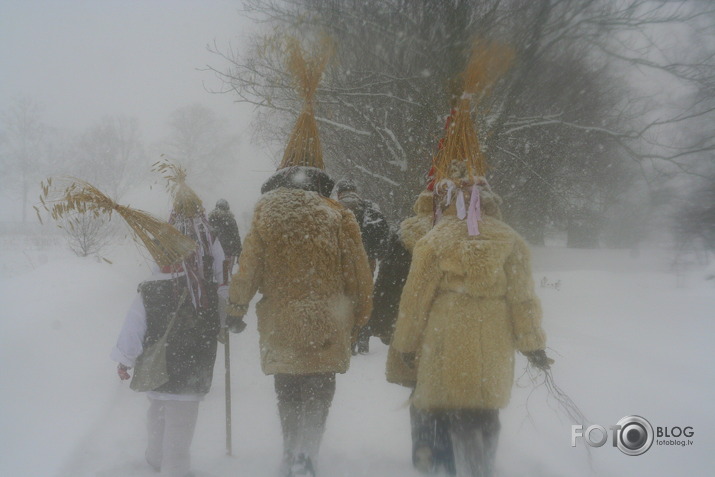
point(192, 305)
point(170, 426)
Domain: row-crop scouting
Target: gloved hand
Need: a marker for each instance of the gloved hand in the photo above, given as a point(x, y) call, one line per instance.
point(234, 317)
point(235, 324)
point(409, 359)
point(538, 359)
point(122, 372)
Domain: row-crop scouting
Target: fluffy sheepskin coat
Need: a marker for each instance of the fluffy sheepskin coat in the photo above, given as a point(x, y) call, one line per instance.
point(304, 254)
point(467, 305)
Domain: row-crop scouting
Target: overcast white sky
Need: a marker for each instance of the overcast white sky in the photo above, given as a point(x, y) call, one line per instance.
point(84, 59)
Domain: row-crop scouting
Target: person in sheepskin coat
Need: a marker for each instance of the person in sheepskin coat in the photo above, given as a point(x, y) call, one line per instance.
point(467, 305)
point(304, 255)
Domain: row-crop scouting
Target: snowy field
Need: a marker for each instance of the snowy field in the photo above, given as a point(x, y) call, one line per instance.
point(629, 336)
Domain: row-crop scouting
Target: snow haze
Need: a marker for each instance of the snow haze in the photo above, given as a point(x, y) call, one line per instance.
point(81, 60)
point(628, 336)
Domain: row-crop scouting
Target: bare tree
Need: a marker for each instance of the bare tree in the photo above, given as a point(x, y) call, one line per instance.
point(694, 212)
point(200, 141)
point(24, 149)
point(557, 129)
point(110, 154)
point(87, 233)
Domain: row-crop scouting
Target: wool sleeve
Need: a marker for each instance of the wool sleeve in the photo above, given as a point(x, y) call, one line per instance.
point(524, 306)
point(248, 279)
point(130, 342)
point(416, 300)
point(355, 269)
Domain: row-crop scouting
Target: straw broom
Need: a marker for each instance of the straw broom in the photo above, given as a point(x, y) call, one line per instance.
point(63, 196)
point(487, 63)
point(304, 147)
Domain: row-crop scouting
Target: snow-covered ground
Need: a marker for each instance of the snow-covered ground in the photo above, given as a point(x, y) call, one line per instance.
point(628, 335)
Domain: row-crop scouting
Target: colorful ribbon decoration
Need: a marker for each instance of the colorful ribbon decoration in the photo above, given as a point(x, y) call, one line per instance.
point(474, 214)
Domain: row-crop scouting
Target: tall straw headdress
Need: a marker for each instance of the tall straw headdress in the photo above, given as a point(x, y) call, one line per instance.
point(459, 163)
point(189, 217)
point(487, 62)
point(63, 196)
point(304, 147)
point(186, 202)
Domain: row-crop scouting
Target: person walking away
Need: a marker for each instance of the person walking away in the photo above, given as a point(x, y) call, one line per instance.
point(304, 255)
point(467, 305)
point(374, 228)
point(224, 226)
point(375, 233)
point(175, 313)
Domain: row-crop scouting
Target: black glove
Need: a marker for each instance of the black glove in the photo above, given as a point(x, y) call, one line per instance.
point(538, 359)
point(235, 324)
point(409, 359)
point(234, 317)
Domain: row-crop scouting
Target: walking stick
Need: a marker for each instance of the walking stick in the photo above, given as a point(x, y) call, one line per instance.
point(227, 269)
point(227, 365)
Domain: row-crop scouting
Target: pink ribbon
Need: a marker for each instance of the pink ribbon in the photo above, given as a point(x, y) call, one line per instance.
point(461, 209)
point(474, 213)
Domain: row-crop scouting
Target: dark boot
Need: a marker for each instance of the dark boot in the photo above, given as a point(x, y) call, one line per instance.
point(422, 425)
point(444, 455)
point(431, 441)
point(363, 341)
point(319, 390)
point(303, 404)
point(290, 412)
point(475, 435)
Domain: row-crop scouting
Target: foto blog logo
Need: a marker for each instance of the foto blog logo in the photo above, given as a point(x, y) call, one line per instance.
point(632, 435)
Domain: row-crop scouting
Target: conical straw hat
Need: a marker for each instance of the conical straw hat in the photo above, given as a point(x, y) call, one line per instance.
point(487, 62)
point(304, 147)
point(186, 202)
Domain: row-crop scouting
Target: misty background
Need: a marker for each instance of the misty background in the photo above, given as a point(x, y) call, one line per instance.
point(102, 90)
point(600, 134)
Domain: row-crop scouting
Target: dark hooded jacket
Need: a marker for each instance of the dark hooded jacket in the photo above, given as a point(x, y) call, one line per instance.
point(374, 228)
point(388, 288)
point(223, 225)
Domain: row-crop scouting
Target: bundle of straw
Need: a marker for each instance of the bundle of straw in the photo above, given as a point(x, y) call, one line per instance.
point(488, 61)
point(303, 147)
point(186, 202)
point(68, 195)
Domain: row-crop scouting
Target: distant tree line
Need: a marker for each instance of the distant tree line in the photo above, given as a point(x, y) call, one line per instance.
point(110, 154)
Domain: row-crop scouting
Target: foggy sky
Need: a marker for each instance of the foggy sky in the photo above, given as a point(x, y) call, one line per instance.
point(81, 60)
